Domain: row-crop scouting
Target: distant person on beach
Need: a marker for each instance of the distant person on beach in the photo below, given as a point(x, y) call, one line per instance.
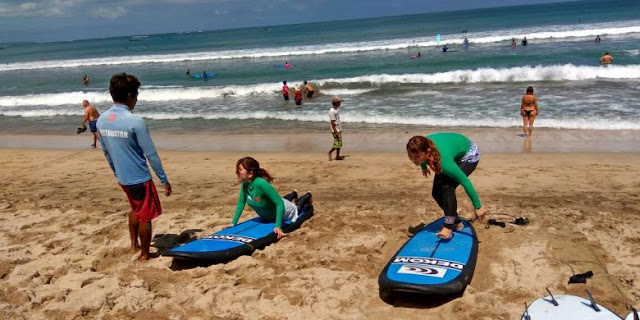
point(513, 42)
point(91, 115)
point(285, 90)
point(597, 38)
point(308, 90)
point(287, 65)
point(336, 128)
point(297, 95)
point(257, 191)
point(128, 147)
point(524, 42)
point(528, 111)
point(606, 59)
point(86, 79)
point(188, 72)
point(452, 157)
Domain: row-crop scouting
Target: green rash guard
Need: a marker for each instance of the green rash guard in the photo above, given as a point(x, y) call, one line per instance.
point(452, 148)
point(260, 195)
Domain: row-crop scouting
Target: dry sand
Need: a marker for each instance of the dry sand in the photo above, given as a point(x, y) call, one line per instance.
point(64, 239)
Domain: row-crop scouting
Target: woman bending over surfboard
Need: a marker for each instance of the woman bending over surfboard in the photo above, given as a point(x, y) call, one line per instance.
point(452, 157)
point(257, 191)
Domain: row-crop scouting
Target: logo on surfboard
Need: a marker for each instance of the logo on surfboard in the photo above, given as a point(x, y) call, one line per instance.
point(423, 271)
point(430, 262)
point(229, 237)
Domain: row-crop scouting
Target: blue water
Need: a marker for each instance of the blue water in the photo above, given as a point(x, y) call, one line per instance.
point(365, 61)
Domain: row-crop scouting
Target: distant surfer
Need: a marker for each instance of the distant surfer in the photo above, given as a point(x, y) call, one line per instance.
point(452, 157)
point(188, 72)
point(308, 90)
point(285, 90)
point(597, 38)
point(297, 95)
point(606, 59)
point(205, 76)
point(524, 42)
point(444, 48)
point(257, 191)
point(528, 111)
point(91, 115)
point(287, 65)
point(86, 79)
point(465, 42)
point(513, 42)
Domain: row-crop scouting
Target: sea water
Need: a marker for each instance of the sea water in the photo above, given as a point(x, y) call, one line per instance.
point(365, 61)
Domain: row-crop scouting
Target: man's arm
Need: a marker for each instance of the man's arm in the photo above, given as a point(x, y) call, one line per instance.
point(86, 116)
point(149, 150)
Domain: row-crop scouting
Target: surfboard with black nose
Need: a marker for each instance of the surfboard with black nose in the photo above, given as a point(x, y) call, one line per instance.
point(428, 265)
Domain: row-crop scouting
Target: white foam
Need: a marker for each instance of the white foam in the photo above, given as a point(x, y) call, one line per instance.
point(355, 117)
point(566, 72)
point(558, 33)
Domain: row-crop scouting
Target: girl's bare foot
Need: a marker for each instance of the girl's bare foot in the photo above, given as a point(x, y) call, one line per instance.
point(446, 233)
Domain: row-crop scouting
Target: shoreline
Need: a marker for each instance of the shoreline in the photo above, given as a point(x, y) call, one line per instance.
point(385, 139)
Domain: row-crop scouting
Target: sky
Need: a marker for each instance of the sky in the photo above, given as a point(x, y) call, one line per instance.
point(62, 20)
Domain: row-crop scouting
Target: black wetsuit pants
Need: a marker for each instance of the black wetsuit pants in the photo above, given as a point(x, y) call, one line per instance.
point(301, 202)
point(444, 192)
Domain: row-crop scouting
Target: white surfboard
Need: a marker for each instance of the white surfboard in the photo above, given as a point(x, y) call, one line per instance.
point(568, 307)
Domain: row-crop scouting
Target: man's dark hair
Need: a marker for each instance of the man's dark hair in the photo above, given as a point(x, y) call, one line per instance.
point(122, 86)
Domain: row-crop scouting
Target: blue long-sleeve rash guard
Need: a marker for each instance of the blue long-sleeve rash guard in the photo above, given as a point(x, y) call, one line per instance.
point(127, 146)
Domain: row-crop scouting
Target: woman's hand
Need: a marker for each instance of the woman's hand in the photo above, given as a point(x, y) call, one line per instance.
point(480, 213)
point(279, 232)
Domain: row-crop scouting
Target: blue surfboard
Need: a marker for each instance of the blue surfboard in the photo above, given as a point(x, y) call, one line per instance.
point(429, 265)
point(200, 76)
point(235, 241)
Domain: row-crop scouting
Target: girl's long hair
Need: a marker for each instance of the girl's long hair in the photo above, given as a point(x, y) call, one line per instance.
point(252, 165)
point(418, 144)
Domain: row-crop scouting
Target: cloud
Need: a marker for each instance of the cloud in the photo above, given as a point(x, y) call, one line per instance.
point(49, 8)
point(109, 12)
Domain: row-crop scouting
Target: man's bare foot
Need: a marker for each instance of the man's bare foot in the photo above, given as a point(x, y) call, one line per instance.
point(93, 146)
point(340, 158)
point(143, 258)
point(135, 248)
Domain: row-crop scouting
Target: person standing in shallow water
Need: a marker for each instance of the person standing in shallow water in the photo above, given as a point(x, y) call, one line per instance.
point(452, 157)
point(528, 111)
point(128, 147)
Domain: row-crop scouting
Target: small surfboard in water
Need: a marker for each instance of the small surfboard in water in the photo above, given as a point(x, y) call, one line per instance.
point(566, 307)
point(429, 265)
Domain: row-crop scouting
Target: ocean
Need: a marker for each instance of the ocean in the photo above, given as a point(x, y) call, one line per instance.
point(365, 61)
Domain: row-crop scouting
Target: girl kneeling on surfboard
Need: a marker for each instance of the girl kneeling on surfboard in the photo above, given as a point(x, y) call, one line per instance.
point(452, 157)
point(257, 191)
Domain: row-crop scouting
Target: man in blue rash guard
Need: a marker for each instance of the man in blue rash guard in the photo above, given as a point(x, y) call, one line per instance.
point(127, 146)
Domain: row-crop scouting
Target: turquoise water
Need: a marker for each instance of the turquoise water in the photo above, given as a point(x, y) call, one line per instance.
point(366, 61)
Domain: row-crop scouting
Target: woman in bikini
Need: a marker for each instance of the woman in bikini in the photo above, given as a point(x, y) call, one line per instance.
point(528, 111)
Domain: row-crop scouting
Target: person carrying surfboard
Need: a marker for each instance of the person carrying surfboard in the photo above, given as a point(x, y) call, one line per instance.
point(256, 191)
point(452, 157)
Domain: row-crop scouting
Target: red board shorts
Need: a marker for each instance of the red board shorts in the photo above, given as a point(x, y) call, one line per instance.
point(144, 200)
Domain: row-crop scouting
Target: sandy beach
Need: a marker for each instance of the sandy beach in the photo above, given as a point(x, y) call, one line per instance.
point(64, 239)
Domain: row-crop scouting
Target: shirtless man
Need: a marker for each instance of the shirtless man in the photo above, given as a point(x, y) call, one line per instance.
point(91, 114)
point(528, 111)
point(309, 91)
point(606, 59)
